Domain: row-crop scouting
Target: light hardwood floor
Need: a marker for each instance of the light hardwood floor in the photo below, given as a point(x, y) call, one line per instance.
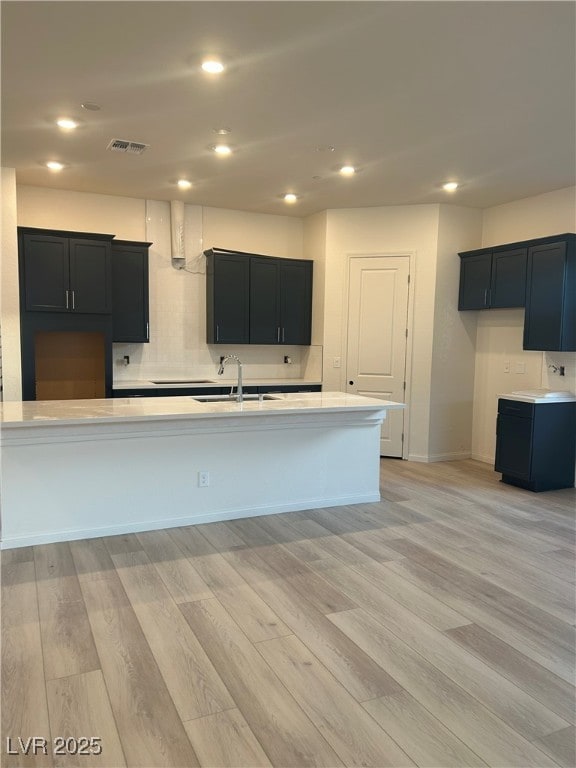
point(435, 628)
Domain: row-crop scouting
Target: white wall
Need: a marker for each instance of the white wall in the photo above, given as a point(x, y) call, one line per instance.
point(393, 230)
point(9, 294)
point(81, 212)
point(177, 345)
point(499, 332)
point(453, 353)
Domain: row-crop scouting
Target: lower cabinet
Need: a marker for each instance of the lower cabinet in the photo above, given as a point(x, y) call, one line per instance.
point(536, 444)
point(195, 391)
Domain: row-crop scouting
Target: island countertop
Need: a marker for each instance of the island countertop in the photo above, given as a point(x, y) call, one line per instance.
point(75, 469)
point(117, 410)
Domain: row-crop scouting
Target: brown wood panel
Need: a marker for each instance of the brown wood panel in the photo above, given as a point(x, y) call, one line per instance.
point(69, 365)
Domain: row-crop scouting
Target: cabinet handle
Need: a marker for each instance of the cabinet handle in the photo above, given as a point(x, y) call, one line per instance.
point(278, 334)
point(73, 300)
point(67, 303)
point(147, 331)
point(283, 335)
point(485, 297)
point(217, 332)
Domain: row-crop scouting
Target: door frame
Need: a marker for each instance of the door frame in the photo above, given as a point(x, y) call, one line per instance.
point(411, 256)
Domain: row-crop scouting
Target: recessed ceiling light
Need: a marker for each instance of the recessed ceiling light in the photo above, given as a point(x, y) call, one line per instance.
point(66, 123)
point(212, 66)
point(184, 183)
point(222, 131)
point(222, 149)
point(54, 166)
point(290, 197)
point(91, 106)
point(347, 170)
point(450, 186)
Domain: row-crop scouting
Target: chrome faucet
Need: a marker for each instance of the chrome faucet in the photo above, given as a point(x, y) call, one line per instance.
point(223, 361)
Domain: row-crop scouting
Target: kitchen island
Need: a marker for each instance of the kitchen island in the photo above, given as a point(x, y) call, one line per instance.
point(76, 469)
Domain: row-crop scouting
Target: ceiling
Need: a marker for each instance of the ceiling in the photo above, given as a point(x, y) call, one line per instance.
point(411, 93)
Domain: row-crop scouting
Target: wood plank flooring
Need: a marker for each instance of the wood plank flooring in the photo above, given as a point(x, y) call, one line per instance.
point(433, 629)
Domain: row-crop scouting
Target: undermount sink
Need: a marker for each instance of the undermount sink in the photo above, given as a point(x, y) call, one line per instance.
point(233, 399)
point(183, 381)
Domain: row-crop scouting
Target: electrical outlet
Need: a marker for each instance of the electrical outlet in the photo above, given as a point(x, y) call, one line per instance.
point(336, 362)
point(203, 479)
point(507, 366)
point(520, 367)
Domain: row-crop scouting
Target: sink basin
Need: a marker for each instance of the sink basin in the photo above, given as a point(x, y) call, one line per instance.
point(183, 381)
point(228, 399)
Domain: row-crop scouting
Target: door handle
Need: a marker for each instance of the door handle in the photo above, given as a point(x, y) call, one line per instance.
point(67, 299)
point(73, 300)
point(351, 383)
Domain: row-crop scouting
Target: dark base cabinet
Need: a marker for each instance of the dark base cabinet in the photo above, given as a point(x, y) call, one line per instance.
point(195, 391)
point(536, 444)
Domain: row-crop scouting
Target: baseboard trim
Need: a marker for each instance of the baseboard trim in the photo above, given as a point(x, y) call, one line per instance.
point(483, 457)
point(210, 517)
point(430, 458)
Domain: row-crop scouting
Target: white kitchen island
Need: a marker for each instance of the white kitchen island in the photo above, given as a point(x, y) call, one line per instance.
point(76, 469)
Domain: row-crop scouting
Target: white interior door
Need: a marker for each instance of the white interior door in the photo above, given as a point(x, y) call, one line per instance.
point(377, 337)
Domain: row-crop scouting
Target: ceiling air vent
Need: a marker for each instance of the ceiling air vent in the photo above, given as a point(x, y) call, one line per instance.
point(132, 147)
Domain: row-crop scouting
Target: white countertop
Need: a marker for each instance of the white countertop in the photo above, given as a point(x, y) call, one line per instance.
point(207, 382)
point(125, 409)
point(539, 396)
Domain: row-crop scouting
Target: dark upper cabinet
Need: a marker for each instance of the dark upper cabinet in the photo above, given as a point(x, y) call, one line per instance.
point(295, 302)
point(475, 272)
point(265, 321)
point(550, 321)
point(280, 301)
point(508, 280)
point(227, 297)
point(130, 299)
point(494, 278)
point(252, 299)
point(64, 271)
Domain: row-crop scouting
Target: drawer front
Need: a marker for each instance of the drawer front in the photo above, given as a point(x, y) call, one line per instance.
point(516, 408)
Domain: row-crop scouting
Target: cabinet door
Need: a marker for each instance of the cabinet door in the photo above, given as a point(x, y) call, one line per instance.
point(130, 306)
point(90, 276)
point(514, 446)
point(295, 302)
point(227, 299)
point(264, 301)
point(475, 273)
point(508, 282)
point(45, 273)
point(545, 298)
